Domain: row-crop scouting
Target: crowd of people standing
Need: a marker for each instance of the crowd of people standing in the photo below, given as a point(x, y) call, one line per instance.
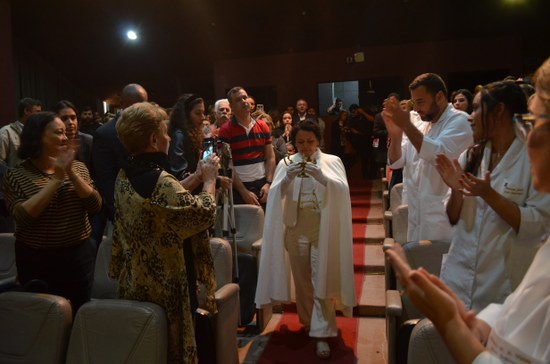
point(472, 176)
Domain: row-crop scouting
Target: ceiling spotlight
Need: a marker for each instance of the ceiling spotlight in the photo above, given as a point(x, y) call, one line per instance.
point(132, 35)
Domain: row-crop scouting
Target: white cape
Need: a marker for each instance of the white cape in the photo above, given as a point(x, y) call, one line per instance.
point(335, 264)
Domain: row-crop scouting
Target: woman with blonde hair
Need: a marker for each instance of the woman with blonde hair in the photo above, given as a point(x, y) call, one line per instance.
point(161, 251)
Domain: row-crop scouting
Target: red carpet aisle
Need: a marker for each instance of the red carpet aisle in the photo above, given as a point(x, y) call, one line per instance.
point(289, 343)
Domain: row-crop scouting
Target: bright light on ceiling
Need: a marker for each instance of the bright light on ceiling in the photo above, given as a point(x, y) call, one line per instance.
point(132, 35)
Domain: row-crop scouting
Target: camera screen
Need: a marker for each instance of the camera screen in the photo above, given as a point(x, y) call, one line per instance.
point(208, 149)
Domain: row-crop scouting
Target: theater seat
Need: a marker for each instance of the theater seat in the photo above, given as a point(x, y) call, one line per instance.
point(401, 315)
point(426, 345)
point(249, 225)
point(8, 270)
point(34, 328)
point(118, 331)
point(227, 301)
point(226, 295)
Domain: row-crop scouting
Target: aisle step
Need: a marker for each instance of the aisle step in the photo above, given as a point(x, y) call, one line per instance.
point(369, 215)
point(375, 234)
point(373, 261)
point(373, 296)
point(372, 343)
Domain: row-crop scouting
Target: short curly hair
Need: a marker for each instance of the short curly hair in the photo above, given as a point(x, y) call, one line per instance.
point(137, 123)
point(306, 125)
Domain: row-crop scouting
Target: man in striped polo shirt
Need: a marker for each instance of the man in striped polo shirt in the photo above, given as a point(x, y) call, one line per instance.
point(253, 155)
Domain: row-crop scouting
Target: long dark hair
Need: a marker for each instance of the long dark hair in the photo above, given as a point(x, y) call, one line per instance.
point(467, 94)
point(180, 119)
point(31, 136)
point(505, 92)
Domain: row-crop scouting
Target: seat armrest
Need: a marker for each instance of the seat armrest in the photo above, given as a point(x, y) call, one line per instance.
point(257, 250)
point(257, 246)
point(7, 283)
point(394, 306)
point(386, 199)
point(388, 243)
point(225, 294)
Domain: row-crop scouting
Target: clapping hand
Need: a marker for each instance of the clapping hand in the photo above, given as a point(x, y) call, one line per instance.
point(394, 117)
point(450, 172)
point(63, 162)
point(473, 186)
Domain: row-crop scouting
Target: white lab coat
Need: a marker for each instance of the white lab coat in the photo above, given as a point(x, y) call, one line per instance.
point(487, 258)
point(335, 260)
point(521, 325)
point(423, 189)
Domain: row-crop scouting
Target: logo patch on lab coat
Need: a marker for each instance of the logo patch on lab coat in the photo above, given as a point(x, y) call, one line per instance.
point(512, 190)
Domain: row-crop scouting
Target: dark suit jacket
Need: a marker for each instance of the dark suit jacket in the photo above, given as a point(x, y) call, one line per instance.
point(84, 153)
point(108, 156)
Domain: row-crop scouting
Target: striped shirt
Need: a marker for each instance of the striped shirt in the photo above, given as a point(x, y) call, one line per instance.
point(247, 147)
point(64, 222)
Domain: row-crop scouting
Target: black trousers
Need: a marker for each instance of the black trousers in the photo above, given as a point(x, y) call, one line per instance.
point(67, 272)
point(254, 186)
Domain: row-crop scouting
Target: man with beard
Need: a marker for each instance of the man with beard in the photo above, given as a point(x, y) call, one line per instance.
point(435, 127)
point(87, 123)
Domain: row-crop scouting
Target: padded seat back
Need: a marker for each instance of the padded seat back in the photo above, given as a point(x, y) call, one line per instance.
point(400, 223)
point(396, 196)
point(223, 261)
point(34, 328)
point(119, 331)
point(250, 226)
point(104, 286)
point(426, 345)
point(8, 270)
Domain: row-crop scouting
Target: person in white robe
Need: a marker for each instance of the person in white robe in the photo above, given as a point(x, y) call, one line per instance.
point(308, 229)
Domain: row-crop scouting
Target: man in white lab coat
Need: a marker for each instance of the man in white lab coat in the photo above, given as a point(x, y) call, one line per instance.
point(440, 129)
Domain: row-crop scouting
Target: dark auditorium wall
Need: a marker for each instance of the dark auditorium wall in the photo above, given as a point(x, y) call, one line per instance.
point(296, 75)
point(7, 103)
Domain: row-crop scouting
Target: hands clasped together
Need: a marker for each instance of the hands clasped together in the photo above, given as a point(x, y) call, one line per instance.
point(394, 117)
point(310, 169)
point(63, 163)
point(434, 298)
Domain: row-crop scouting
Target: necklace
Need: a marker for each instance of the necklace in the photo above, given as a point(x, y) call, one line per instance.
point(496, 156)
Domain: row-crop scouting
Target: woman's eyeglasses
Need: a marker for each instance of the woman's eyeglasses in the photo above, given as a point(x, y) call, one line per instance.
point(526, 122)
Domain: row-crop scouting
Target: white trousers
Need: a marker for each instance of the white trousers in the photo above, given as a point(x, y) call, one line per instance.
point(301, 243)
